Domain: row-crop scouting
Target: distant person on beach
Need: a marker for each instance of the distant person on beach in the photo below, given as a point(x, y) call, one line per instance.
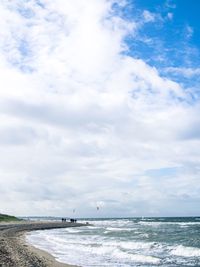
point(73, 220)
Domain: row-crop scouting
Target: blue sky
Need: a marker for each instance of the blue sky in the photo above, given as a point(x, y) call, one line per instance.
point(172, 42)
point(175, 36)
point(99, 107)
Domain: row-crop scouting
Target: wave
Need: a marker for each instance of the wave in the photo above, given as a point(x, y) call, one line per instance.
point(168, 223)
point(86, 252)
point(140, 246)
point(115, 229)
point(138, 258)
point(186, 251)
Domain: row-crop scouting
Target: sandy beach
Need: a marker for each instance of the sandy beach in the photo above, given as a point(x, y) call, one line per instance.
point(16, 252)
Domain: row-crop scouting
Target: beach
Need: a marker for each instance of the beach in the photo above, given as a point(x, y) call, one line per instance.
point(16, 252)
point(158, 241)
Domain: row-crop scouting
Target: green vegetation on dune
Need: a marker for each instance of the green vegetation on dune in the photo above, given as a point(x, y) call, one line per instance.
point(8, 218)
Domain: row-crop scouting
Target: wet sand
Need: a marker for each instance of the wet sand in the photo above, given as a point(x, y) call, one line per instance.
point(16, 252)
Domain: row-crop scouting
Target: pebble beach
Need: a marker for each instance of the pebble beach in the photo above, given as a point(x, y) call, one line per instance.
point(16, 252)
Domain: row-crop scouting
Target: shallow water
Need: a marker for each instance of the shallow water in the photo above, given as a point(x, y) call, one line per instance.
point(125, 242)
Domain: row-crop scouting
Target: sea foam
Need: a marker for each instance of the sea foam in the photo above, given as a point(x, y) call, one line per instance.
point(186, 251)
point(124, 243)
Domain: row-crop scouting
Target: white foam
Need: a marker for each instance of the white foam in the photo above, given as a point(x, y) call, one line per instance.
point(186, 251)
point(154, 224)
point(70, 250)
point(119, 229)
point(135, 257)
point(136, 245)
point(91, 247)
point(183, 224)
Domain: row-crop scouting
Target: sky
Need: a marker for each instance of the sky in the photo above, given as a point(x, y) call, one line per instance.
point(99, 107)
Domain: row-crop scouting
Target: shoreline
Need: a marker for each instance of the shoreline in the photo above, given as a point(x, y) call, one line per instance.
point(16, 251)
point(52, 261)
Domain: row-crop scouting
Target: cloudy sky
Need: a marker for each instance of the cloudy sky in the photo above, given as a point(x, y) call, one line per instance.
point(99, 106)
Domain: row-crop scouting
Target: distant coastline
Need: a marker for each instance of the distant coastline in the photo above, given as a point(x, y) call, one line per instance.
point(8, 218)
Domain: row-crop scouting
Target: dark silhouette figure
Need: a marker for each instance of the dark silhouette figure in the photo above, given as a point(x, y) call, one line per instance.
point(73, 220)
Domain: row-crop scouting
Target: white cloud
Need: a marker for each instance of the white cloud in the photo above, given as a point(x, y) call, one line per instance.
point(170, 15)
point(170, 4)
point(186, 72)
point(189, 31)
point(148, 16)
point(80, 120)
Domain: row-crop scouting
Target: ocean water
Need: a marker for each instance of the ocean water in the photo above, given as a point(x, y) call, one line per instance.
point(125, 242)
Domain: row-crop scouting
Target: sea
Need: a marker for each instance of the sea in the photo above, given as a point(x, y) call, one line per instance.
point(125, 242)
